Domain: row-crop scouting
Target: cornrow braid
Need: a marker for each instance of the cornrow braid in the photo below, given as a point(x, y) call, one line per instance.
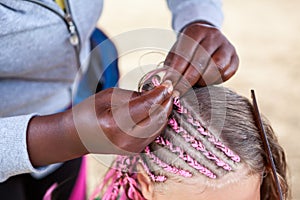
point(154, 178)
point(198, 148)
point(165, 166)
point(197, 144)
point(183, 155)
point(228, 152)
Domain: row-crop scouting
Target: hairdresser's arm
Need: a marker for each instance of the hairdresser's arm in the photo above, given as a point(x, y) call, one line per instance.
point(202, 54)
point(112, 121)
point(100, 124)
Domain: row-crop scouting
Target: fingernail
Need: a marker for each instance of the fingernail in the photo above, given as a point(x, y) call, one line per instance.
point(169, 85)
point(175, 93)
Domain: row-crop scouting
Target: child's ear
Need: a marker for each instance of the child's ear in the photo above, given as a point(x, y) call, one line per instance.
point(145, 182)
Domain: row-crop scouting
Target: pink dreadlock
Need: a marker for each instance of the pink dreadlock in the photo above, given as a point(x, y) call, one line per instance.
point(121, 179)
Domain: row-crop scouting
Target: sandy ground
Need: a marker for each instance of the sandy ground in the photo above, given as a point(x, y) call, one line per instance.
point(266, 36)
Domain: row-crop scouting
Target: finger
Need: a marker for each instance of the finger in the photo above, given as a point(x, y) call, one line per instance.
point(232, 68)
point(114, 96)
point(121, 96)
point(197, 66)
point(140, 135)
point(151, 127)
point(127, 115)
point(216, 67)
point(180, 55)
point(157, 119)
point(140, 106)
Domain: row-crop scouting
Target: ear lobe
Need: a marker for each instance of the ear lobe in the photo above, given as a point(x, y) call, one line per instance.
point(145, 183)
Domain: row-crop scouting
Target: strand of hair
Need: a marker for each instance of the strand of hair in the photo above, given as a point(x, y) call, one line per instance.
point(211, 138)
point(184, 156)
point(196, 144)
point(165, 166)
point(154, 178)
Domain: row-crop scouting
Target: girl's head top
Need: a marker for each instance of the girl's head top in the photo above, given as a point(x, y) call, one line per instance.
point(211, 149)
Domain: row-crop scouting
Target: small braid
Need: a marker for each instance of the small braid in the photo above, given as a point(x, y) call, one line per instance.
point(166, 166)
point(183, 155)
point(153, 177)
point(197, 144)
point(218, 144)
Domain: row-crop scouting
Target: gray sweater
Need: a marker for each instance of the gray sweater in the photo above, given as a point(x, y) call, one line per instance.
point(38, 64)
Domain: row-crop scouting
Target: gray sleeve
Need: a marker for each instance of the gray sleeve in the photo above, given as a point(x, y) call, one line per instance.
point(187, 11)
point(14, 158)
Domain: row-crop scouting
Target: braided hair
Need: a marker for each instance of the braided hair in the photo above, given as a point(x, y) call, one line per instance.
point(211, 132)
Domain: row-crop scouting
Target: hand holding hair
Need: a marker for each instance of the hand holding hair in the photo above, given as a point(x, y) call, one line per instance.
point(112, 121)
point(202, 55)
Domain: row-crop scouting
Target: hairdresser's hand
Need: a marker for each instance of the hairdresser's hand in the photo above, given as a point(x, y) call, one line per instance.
point(202, 55)
point(111, 121)
point(122, 121)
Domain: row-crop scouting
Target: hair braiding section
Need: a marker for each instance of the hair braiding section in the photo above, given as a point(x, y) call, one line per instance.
point(207, 163)
point(165, 166)
point(186, 157)
point(203, 131)
point(191, 146)
point(120, 181)
point(154, 178)
point(197, 144)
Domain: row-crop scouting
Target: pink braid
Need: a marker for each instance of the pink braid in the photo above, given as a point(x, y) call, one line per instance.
point(122, 179)
point(180, 109)
point(165, 166)
point(155, 81)
point(153, 177)
point(183, 155)
point(197, 144)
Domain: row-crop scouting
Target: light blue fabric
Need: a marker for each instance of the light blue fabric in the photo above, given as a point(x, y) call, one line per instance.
point(37, 70)
point(187, 11)
point(38, 65)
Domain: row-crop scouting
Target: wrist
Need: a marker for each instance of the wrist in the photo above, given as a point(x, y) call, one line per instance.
point(199, 23)
point(76, 147)
point(49, 140)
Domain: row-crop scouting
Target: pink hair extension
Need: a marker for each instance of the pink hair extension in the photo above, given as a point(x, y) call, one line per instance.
point(193, 141)
point(132, 191)
point(122, 179)
point(153, 177)
point(155, 81)
point(197, 144)
point(165, 166)
point(187, 158)
point(228, 152)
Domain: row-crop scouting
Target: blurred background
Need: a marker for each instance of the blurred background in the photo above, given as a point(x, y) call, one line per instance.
point(266, 36)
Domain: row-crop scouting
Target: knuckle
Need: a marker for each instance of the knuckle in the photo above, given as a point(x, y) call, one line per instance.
point(192, 77)
point(193, 32)
point(214, 32)
point(219, 63)
point(200, 62)
point(229, 47)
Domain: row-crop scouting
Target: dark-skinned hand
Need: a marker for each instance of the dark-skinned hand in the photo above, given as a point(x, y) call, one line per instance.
point(114, 121)
point(201, 55)
point(122, 120)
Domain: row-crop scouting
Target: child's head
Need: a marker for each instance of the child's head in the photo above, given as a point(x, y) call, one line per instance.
point(211, 149)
